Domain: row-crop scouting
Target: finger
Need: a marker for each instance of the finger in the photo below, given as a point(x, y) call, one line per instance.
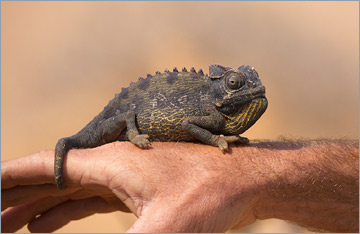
point(38, 168)
point(62, 214)
point(27, 193)
point(33, 169)
point(15, 218)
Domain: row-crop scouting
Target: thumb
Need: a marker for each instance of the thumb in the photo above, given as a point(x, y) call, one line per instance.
point(164, 218)
point(170, 219)
point(153, 221)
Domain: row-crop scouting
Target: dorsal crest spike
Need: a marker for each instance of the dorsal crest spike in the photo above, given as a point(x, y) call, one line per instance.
point(184, 69)
point(157, 72)
point(140, 78)
point(201, 72)
point(175, 69)
point(193, 70)
point(166, 70)
point(148, 75)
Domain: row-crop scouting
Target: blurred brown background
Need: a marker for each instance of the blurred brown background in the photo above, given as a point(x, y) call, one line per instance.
point(63, 61)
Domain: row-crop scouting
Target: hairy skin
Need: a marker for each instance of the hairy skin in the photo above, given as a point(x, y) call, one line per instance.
point(186, 187)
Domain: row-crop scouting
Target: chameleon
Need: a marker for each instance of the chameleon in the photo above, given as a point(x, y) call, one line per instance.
point(175, 106)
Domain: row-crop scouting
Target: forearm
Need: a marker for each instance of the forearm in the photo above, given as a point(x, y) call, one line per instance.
point(314, 184)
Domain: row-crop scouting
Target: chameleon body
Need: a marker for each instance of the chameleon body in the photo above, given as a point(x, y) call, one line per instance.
point(175, 106)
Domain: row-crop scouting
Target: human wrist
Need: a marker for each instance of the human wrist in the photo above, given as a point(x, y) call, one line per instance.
point(318, 177)
point(279, 177)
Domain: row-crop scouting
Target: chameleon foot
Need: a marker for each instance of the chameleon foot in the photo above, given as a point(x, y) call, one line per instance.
point(141, 140)
point(224, 140)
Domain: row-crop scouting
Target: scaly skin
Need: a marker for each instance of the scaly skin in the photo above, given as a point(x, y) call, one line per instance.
point(175, 106)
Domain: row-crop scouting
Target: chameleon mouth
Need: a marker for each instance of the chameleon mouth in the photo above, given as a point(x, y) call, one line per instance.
point(242, 97)
point(246, 95)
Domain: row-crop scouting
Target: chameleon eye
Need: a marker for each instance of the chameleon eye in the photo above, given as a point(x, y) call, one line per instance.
point(235, 81)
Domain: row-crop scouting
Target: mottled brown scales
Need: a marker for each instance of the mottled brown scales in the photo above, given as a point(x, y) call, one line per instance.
point(175, 106)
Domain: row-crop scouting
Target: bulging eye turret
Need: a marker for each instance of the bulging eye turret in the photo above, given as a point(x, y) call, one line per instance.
point(235, 80)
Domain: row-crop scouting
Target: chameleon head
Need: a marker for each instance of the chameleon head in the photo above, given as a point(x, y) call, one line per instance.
point(234, 87)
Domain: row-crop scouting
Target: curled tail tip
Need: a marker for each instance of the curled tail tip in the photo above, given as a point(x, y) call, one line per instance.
point(59, 179)
point(60, 183)
point(60, 151)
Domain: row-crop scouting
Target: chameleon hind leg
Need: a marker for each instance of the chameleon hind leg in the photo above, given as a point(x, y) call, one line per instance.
point(198, 127)
point(141, 140)
point(96, 134)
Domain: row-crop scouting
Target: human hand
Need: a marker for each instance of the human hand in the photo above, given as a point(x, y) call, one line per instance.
point(173, 187)
point(186, 187)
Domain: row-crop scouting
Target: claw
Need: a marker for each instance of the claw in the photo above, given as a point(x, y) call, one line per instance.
point(222, 144)
point(236, 138)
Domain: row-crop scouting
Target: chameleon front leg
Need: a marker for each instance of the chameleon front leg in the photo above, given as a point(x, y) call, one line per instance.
point(197, 126)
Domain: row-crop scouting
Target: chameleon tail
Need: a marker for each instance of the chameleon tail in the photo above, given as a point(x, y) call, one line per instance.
point(62, 147)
